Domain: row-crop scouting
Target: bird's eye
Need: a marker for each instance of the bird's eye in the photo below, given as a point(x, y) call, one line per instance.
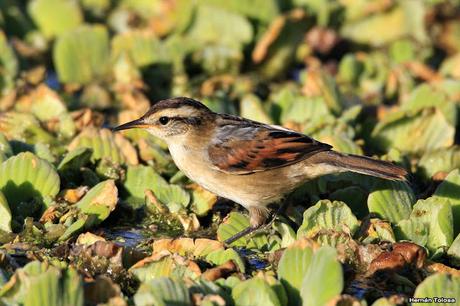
point(164, 120)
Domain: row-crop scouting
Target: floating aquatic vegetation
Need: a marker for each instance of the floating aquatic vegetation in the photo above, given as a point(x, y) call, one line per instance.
point(430, 224)
point(392, 201)
point(102, 142)
point(162, 291)
point(93, 208)
point(88, 44)
point(26, 183)
point(236, 222)
point(55, 17)
point(326, 215)
point(45, 284)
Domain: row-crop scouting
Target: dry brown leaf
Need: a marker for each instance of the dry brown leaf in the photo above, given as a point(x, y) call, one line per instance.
point(263, 45)
point(74, 195)
point(436, 267)
point(88, 239)
point(220, 271)
point(127, 149)
point(87, 118)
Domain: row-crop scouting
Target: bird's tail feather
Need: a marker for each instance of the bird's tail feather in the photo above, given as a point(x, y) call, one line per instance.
point(362, 164)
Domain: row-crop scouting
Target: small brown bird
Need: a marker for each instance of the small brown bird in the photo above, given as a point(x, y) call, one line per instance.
point(248, 162)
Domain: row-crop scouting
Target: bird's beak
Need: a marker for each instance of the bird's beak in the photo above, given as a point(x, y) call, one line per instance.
point(138, 123)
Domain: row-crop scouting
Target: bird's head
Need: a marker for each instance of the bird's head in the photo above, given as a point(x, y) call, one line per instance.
point(171, 117)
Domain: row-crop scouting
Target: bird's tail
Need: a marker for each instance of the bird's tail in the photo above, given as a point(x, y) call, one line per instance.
point(362, 164)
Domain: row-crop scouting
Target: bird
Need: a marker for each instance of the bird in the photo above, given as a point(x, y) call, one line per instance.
point(249, 162)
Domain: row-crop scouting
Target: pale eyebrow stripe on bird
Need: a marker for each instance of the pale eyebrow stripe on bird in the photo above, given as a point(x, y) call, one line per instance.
point(195, 121)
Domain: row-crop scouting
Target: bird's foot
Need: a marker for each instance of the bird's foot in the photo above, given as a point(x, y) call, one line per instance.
point(248, 230)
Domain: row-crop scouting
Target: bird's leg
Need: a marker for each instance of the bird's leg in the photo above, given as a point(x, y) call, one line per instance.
point(281, 211)
point(257, 218)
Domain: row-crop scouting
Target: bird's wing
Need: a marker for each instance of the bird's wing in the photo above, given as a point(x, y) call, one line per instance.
point(244, 147)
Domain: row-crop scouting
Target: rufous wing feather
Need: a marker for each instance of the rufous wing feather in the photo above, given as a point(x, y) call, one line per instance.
point(244, 150)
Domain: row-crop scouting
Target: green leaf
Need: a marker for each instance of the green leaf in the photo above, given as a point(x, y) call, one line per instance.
point(74, 228)
point(75, 159)
point(8, 66)
point(288, 235)
point(430, 130)
point(327, 215)
point(5, 146)
point(101, 142)
point(440, 160)
point(427, 96)
point(454, 251)
point(41, 284)
point(219, 257)
point(354, 196)
point(162, 291)
point(164, 264)
point(139, 178)
point(25, 176)
point(255, 291)
point(292, 267)
point(402, 51)
point(211, 289)
point(46, 105)
point(5, 214)
point(392, 200)
point(82, 55)
point(55, 17)
point(99, 201)
point(450, 189)
point(202, 201)
point(28, 131)
point(439, 285)
point(304, 110)
point(173, 196)
point(378, 230)
point(284, 35)
point(324, 269)
point(430, 224)
point(235, 223)
point(403, 20)
point(143, 47)
point(213, 25)
point(251, 107)
point(262, 10)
